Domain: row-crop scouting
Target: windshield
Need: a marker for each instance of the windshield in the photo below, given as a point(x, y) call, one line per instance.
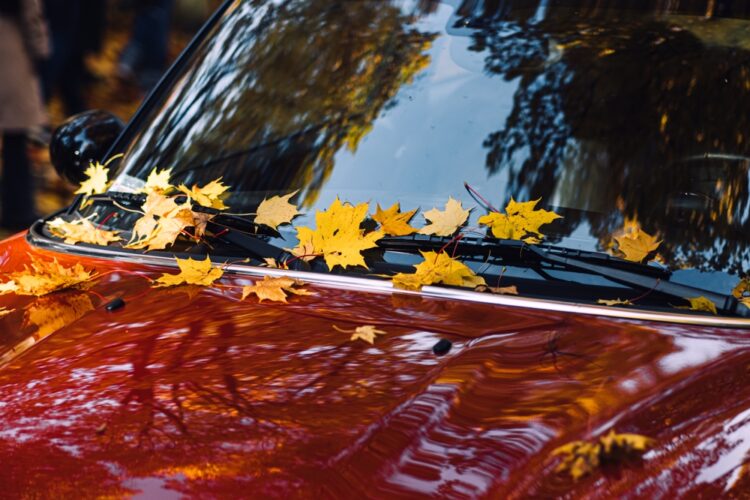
point(610, 116)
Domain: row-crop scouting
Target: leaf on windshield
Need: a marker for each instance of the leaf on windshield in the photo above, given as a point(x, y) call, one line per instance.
point(700, 304)
point(636, 245)
point(393, 221)
point(81, 231)
point(276, 210)
point(163, 221)
point(742, 288)
point(498, 290)
point(5, 311)
point(521, 221)
point(275, 289)
point(209, 195)
point(192, 272)
point(97, 180)
point(445, 222)
point(580, 458)
point(338, 236)
point(615, 302)
point(42, 277)
point(273, 263)
point(366, 333)
point(158, 181)
point(438, 268)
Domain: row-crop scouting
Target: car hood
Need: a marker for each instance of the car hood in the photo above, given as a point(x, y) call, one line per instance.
point(192, 391)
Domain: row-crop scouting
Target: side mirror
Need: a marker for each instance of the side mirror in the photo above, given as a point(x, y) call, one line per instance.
point(83, 138)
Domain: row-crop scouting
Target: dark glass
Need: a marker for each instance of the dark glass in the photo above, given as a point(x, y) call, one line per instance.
point(610, 112)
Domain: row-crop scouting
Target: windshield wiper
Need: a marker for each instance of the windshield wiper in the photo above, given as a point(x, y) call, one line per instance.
point(233, 230)
point(513, 252)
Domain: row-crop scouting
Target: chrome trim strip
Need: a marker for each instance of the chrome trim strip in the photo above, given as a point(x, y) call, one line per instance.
point(383, 286)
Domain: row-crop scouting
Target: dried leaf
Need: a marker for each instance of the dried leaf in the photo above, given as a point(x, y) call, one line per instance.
point(446, 222)
point(636, 245)
point(364, 332)
point(43, 277)
point(742, 288)
point(272, 263)
point(192, 272)
point(438, 268)
point(158, 181)
point(305, 249)
point(615, 302)
point(338, 236)
point(276, 210)
point(582, 457)
point(96, 182)
point(275, 289)
point(498, 290)
point(393, 221)
point(81, 231)
point(163, 221)
point(208, 195)
point(624, 443)
point(521, 221)
point(700, 304)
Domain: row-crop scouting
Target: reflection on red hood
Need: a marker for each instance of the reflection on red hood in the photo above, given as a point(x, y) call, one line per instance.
point(191, 391)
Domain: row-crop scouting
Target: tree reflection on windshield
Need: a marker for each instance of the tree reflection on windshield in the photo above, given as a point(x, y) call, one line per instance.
point(631, 117)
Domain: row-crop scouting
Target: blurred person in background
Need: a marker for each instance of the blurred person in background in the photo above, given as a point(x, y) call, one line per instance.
point(145, 56)
point(76, 29)
point(24, 45)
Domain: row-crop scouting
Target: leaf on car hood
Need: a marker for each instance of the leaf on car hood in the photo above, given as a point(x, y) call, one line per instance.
point(42, 277)
point(192, 272)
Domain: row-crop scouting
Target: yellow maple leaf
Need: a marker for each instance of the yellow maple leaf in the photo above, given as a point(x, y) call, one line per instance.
point(700, 304)
point(497, 290)
point(438, 267)
point(445, 222)
point(42, 277)
point(394, 222)
point(4, 311)
point(742, 288)
point(636, 245)
point(276, 210)
point(97, 180)
point(615, 302)
point(163, 221)
point(208, 195)
point(338, 236)
point(81, 231)
point(613, 442)
point(275, 289)
point(364, 332)
point(521, 221)
point(158, 181)
point(580, 458)
point(192, 272)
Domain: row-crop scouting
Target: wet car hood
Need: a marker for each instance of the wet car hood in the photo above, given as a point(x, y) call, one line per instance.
point(192, 391)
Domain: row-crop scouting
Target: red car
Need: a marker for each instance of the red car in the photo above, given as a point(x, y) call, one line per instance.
point(450, 249)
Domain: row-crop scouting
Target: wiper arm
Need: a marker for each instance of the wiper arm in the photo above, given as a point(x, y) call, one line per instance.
point(632, 274)
point(725, 303)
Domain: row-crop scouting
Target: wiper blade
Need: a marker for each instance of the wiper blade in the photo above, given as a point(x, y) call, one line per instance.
point(513, 252)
